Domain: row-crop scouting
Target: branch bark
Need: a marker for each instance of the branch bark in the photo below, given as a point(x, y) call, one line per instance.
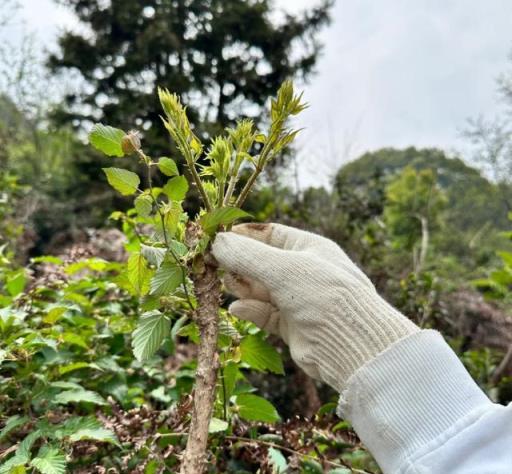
point(207, 291)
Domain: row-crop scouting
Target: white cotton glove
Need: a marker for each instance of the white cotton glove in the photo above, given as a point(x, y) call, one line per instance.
point(304, 288)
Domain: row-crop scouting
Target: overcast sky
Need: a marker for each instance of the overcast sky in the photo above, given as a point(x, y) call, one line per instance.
point(393, 73)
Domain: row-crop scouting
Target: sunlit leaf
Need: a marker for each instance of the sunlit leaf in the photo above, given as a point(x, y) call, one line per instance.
point(166, 279)
point(152, 328)
point(107, 139)
point(222, 216)
point(124, 181)
point(138, 273)
point(167, 166)
point(176, 188)
point(143, 205)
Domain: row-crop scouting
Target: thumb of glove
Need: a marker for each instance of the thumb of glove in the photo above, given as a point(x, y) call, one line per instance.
point(263, 314)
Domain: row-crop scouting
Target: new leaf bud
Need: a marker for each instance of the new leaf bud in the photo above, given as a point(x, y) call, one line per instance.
point(130, 143)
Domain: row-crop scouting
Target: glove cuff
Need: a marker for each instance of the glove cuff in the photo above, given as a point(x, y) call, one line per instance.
point(364, 326)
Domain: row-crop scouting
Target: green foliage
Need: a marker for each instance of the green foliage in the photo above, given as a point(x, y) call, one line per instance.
point(107, 139)
point(167, 166)
point(223, 216)
point(411, 197)
point(149, 334)
point(260, 355)
point(254, 408)
point(123, 181)
point(49, 461)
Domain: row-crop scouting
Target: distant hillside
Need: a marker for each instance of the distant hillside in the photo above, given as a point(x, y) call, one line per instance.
point(473, 200)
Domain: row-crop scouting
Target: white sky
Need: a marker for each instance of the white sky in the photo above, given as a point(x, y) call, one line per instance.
point(393, 73)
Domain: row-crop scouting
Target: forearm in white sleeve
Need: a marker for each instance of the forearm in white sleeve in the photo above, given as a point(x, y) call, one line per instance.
point(418, 411)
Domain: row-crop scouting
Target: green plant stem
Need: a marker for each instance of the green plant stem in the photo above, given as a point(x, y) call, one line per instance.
point(248, 186)
point(231, 187)
point(195, 175)
point(199, 185)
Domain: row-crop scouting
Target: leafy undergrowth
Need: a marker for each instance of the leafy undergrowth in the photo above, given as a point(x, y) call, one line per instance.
point(73, 397)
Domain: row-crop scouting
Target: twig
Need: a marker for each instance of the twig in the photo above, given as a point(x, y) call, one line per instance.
point(502, 367)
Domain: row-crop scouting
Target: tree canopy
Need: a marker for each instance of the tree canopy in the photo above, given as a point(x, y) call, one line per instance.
point(224, 58)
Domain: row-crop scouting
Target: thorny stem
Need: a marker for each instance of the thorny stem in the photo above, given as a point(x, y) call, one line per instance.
point(207, 290)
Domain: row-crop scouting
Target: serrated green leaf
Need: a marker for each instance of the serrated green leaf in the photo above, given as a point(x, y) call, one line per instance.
point(230, 373)
point(14, 465)
point(154, 255)
point(49, 460)
point(16, 282)
point(106, 139)
point(139, 274)
point(216, 425)
point(176, 188)
point(143, 205)
point(254, 408)
point(222, 216)
point(166, 279)
point(260, 355)
point(75, 339)
point(171, 219)
point(71, 367)
point(26, 445)
point(123, 181)
point(95, 434)
point(151, 330)
point(11, 424)
point(77, 396)
point(167, 166)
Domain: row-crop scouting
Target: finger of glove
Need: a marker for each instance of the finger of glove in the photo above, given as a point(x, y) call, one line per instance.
point(250, 258)
point(278, 235)
point(290, 238)
point(243, 287)
point(261, 313)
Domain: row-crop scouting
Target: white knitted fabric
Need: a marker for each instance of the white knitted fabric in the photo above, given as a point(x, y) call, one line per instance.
point(415, 406)
point(304, 288)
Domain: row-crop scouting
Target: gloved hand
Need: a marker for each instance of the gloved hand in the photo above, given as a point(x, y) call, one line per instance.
point(304, 288)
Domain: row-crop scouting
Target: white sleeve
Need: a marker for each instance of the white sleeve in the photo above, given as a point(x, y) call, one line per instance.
point(418, 411)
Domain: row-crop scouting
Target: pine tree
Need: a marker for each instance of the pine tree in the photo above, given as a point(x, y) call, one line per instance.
point(223, 57)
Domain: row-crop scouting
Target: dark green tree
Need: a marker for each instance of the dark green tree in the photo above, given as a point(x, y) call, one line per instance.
point(224, 57)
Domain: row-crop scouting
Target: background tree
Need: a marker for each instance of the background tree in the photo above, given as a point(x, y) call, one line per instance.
point(223, 58)
point(491, 139)
point(413, 205)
